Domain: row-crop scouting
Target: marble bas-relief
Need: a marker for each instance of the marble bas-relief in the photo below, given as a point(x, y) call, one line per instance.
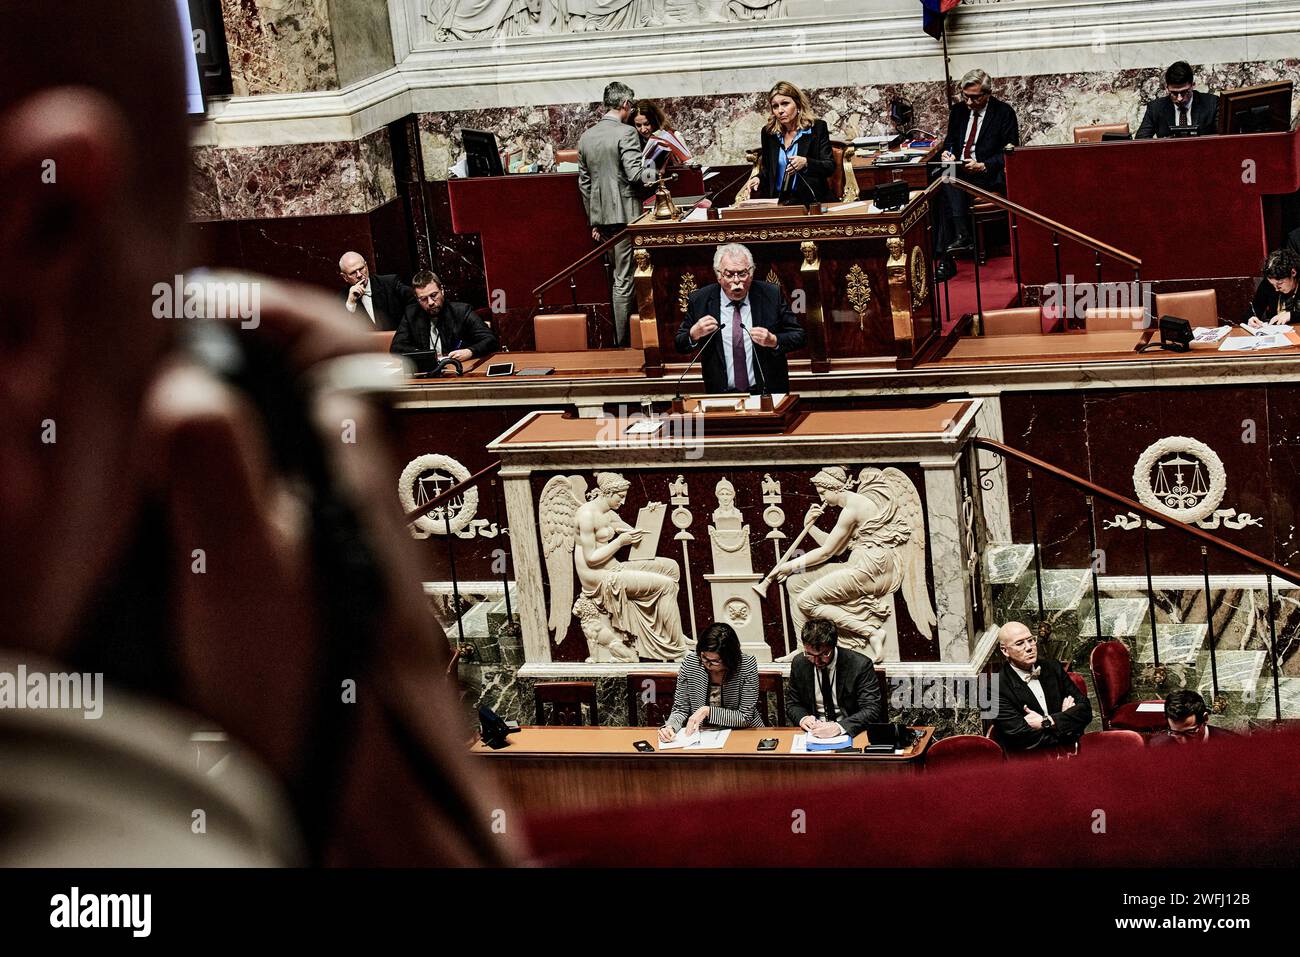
point(627, 608)
point(453, 20)
point(882, 527)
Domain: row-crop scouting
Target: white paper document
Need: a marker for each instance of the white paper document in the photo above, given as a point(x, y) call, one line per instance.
point(1267, 329)
point(1254, 343)
point(799, 743)
point(1210, 333)
point(644, 427)
point(699, 741)
point(1150, 706)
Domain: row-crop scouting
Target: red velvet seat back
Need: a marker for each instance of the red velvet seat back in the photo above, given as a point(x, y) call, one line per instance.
point(1104, 743)
point(1112, 675)
point(961, 750)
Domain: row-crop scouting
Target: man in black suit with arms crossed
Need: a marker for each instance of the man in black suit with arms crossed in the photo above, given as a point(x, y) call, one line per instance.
point(381, 299)
point(432, 323)
point(832, 690)
point(1037, 708)
point(1183, 108)
point(749, 354)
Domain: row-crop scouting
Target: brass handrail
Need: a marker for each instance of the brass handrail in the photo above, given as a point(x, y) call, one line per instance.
point(474, 480)
point(574, 267)
point(1002, 202)
point(1070, 478)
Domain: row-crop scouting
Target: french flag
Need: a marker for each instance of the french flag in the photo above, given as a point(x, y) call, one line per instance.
point(934, 12)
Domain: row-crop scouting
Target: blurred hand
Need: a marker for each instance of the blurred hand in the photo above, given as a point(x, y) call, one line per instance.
point(827, 729)
point(1281, 319)
point(1033, 719)
point(666, 733)
point(797, 163)
point(974, 166)
point(808, 723)
point(1068, 703)
point(356, 292)
point(762, 337)
point(595, 235)
point(461, 355)
point(696, 720)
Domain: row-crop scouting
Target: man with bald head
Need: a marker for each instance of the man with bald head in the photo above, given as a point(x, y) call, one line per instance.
point(381, 299)
point(184, 521)
point(1039, 708)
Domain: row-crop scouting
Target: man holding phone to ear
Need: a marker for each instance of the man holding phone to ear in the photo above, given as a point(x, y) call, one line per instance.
point(432, 324)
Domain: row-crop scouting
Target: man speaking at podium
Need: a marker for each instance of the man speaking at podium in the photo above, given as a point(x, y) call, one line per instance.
point(744, 328)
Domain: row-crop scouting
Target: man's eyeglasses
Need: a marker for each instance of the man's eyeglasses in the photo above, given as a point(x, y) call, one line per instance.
point(1189, 733)
point(1182, 94)
point(974, 97)
point(1024, 642)
point(736, 273)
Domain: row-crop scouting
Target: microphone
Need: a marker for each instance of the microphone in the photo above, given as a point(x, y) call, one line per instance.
point(677, 399)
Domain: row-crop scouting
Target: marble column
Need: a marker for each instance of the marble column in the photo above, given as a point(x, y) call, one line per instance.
point(531, 601)
point(948, 555)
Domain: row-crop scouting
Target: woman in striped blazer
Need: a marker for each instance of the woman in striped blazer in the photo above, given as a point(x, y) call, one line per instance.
point(717, 685)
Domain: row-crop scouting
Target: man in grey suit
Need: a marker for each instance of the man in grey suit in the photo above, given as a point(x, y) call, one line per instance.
point(610, 170)
point(832, 690)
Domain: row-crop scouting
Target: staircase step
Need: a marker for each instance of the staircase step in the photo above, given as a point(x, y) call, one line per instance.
point(1239, 671)
point(1179, 643)
point(1004, 564)
point(1288, 691)
point(1063, 589)
point(1123, 617)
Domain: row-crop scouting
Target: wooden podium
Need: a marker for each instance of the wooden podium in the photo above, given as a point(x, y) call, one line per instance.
point(745, 414)
point(860, 281)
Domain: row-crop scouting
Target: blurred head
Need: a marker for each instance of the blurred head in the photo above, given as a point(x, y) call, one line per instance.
point(428, 291)
point(719, 649)
point(619, 99)
point(1280, 269)
point(1178, 82)
point(93, 166)
point(647, 118)
point(789, 108)
point(1018, 644)
point(975, 88)
point(353, 269)
point(819, 640)
point(733, 264)
point(1185, 713)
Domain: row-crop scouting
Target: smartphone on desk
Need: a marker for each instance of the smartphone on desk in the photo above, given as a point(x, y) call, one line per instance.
point(767, 744)
point(643, 746)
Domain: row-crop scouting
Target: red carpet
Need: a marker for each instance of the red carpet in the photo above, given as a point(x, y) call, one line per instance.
point(997, 287)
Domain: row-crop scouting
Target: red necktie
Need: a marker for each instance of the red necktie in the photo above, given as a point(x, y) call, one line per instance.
point(970, 139)
point(739, 367)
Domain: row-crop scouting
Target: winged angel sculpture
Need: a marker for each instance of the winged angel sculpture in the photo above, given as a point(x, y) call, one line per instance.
point(882, 527)
point(628, 609)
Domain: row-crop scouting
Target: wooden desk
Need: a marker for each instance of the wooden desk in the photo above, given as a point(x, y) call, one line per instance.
point(588, 362)
point(559, 769)
point(1115, 345)
point(917, 175)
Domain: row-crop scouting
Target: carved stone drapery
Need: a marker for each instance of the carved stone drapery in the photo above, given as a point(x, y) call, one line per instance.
point(455, 20)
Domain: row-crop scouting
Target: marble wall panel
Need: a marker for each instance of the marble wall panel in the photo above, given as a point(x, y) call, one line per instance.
point(313, 179)
point(279, 46)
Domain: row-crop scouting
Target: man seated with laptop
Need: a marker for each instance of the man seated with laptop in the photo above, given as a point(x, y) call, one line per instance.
point(439, 329)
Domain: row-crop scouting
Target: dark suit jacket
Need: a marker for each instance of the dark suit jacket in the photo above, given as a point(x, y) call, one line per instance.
point(768, 309)
point(1014, 694)
point(1217, 735)
point(857, 692)
point(457, 323)
point(1159, 117)
point(813, 184)
point(1000, 128)
point(390, 297)
point(1264, 304)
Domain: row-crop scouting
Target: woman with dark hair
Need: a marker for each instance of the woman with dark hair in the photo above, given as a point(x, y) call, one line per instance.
point(1275, 299)
point(661, 144)
point(797, 160)
point(717, 685)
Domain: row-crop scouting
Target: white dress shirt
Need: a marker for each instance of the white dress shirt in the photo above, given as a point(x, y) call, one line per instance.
point(727, 315)
point(819, 706)
point(977, 119)
point(1036, 687)
point(366, 300)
